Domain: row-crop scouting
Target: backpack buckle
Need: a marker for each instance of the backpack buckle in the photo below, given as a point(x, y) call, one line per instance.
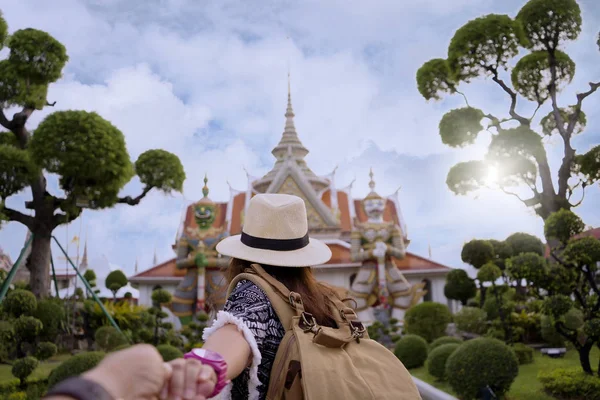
point(358, 330)
point(308, 323)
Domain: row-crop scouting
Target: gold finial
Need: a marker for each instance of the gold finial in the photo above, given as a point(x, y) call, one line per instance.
point(372, 194)
point(371, 182)
point(205, 188)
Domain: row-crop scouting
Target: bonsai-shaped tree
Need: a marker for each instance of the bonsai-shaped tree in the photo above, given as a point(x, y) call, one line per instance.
point(90, 276)
point(569, 280)
point(459, 286)
point(115, 281)
point(517, 261)
point(85, 151)
point(20, 306)
point(517, 161)
point(160, 297)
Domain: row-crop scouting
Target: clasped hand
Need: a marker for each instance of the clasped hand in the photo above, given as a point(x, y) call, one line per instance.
point(380, 250)
point(140, 373)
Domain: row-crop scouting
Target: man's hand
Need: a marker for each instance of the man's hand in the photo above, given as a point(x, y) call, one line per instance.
point(190, 380)
point(134, 373)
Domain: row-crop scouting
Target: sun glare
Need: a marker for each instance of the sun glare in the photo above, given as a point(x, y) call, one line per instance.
point(492, 176)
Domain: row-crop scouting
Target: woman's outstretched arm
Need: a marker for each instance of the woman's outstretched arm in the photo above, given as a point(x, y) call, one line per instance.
point(230, 343)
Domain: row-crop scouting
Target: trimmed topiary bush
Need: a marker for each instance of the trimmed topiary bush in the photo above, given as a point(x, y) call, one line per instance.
point(109, 338)
point(102, 336)
point(570, 383)
point(169, 352)
point(412, 351)
point(75, 365)
point(51, 314)
point(428, 320)
point(523, 352)
point(19, 302)
point(45, 350)
point(479, 363)
point(436, 361)
point(17, 396)
point(24, 367)
point(444, 340)
point(471, 320)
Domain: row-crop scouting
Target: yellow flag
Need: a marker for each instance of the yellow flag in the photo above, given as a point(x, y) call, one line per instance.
point(75, 239)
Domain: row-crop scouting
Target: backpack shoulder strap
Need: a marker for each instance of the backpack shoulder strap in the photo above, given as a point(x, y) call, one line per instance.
point(282, 308)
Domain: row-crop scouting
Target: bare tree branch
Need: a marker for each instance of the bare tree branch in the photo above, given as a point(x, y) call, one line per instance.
point(528, 202)
point(495, 122)
point(464, 97)
point(62, 218)
point(573, 118)
point(17, 216)
point(513, 96)
point(4, 121)
point(50, 104)
point(582, 197)
point(568, 333)
point(133, 201)
point(535, 112)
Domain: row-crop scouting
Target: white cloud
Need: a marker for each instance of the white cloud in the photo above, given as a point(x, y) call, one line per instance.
point(207, 82)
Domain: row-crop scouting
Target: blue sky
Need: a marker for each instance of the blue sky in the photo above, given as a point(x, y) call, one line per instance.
point(207, 81)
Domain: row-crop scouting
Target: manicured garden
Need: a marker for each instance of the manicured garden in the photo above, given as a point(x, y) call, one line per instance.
point(520, 300)
point(526, 385)
point(42, 344)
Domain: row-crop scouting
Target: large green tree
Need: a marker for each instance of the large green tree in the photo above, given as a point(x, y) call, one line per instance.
point(85, 151)
point(517, 159)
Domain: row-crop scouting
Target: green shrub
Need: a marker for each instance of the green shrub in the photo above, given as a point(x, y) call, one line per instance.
point(436, 361)
point(169, 352)
point(116, 340)
point(20, 302)
point(491, 306)
point(7, 340)
point(45, 350)
point(102, 336)
point(523, 352)
point(37, 390)
point(75, 365)
point(8, 386)
point(481, 362)
point(444, 340)
point(27, 328)
point(471, 320)
point(549, 332)
point(17, 396)
point(570, 384)
point(24, 367)
point(109, 338)
point(428, 320)
point(52, 314)
point(412, 351)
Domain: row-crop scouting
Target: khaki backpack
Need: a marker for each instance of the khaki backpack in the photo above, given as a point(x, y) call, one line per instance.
point(319, 363)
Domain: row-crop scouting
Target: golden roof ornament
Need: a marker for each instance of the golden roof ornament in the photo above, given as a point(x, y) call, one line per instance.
point(205, 188)
point(372, 194)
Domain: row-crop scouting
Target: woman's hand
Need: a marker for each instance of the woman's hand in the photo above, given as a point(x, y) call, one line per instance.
point(190, 380)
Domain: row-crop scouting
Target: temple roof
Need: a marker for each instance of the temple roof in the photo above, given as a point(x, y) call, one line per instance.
point(332, 212)
point(340, 258)
point(289, 151)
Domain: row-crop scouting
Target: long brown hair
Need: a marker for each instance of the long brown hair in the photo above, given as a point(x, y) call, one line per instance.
point(300, 280)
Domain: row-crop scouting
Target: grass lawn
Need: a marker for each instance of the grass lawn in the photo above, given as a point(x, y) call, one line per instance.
point(42, 371)
point(526, 386)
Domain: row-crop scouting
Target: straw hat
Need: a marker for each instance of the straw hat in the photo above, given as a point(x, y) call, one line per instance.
point(275, 233)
